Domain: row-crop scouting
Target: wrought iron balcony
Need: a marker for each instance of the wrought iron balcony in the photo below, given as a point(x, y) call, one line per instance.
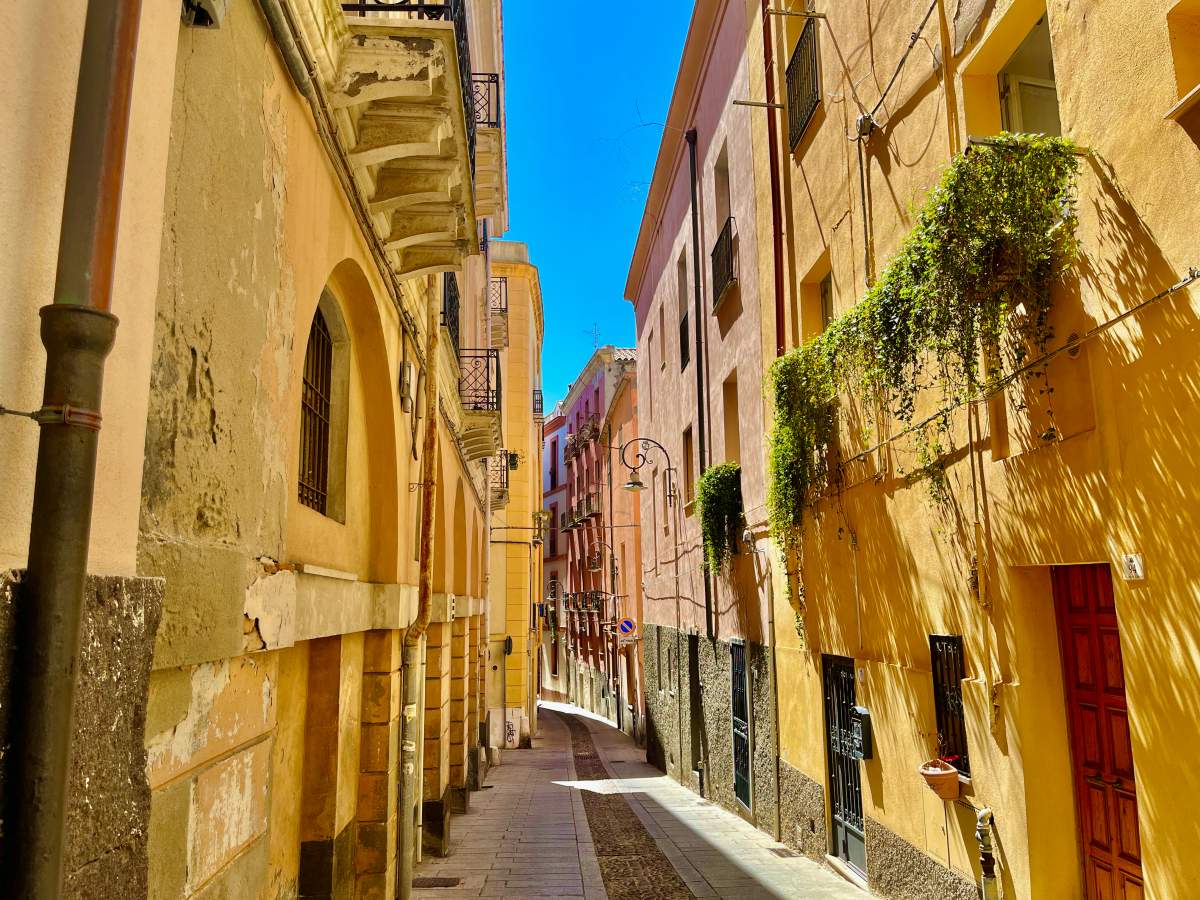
point(538, 406)
point(803, 83)
point(724, 267)
point(498, 295)
point(479, 379)
point(486, 87)
point(450, 304)
point(498, 467)
point(438, 10)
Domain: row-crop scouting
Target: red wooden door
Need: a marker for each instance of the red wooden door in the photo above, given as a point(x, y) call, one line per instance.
point(1099, 720)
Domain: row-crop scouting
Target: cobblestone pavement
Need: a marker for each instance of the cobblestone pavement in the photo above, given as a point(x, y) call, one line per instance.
point(528, 834)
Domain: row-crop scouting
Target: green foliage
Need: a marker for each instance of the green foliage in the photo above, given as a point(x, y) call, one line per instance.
point(719, 500)
point(973, 278)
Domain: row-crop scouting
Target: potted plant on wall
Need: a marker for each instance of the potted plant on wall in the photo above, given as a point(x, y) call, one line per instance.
point(940, 774)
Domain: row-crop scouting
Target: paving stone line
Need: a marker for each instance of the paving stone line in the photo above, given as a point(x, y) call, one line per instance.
point(631, 863)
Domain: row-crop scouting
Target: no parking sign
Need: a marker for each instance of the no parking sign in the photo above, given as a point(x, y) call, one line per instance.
point(627, 628)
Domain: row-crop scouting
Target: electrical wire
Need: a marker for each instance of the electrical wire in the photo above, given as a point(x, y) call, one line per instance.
point(912, 42)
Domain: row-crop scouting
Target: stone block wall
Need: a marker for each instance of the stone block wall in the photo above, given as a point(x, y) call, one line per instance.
point(108, 814)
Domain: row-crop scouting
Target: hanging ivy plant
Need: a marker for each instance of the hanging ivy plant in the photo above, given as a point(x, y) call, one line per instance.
point(719, 500)
point(973, 278)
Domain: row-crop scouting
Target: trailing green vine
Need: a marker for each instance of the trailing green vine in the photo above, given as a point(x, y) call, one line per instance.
point(971, 280)
point(719, 500)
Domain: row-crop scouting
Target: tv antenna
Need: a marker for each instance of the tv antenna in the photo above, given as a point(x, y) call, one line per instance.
point(594, 331)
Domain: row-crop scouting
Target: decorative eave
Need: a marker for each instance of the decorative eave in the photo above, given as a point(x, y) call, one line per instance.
point(396, 95)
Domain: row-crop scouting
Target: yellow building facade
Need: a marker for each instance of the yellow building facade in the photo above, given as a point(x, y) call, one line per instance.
point(1015, 599)
point(518, 525)
point(306, 364)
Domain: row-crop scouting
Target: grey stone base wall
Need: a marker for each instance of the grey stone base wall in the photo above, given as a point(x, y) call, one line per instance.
point(707, 731)
point(802, 813)
point(897, 869)
point(108, 811)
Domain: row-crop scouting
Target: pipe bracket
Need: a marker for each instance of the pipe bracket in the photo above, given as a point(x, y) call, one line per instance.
point(68, 415)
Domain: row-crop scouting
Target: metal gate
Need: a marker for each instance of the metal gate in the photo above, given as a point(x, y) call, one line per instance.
point(741, 725)
point(845, 786)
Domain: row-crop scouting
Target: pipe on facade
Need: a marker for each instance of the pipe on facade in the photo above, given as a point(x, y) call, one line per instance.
point(987, 860)
point(78, 332)
point(701, 425)
point(286, 42)
point(412, 719)
point(776, 199)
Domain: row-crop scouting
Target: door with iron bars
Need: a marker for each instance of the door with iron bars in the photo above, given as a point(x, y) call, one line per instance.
point(741, 725)
point(845, 784)
point(1102, 754)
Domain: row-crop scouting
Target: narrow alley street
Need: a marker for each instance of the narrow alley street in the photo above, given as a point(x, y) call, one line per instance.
point(581, 815)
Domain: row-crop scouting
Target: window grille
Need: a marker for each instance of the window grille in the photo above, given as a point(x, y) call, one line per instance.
point(314, 416)
point(803, 83)
point(946, 652)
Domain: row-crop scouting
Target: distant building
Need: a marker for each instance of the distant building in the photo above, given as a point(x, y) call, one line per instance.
point(597, 563)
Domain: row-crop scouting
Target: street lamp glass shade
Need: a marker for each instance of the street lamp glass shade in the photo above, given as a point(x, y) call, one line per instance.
point(635, 482)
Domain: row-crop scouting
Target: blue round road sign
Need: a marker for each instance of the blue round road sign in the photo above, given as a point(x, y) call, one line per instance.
point(627, 626)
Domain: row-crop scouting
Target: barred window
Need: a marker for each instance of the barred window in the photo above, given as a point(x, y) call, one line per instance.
point(315, 416)
point(946, 652)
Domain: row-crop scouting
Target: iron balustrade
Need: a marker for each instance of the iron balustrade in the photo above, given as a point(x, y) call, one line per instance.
point(538, 406)
point(443, 11)
point(684, 349)
point(450, 304)
point(723, 269)
point(479, 379)
point(498, 295)
point(486, 87)
point(499, 466)
point(803, 83)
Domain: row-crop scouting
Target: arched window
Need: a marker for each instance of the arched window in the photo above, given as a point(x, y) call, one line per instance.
point(323, 412)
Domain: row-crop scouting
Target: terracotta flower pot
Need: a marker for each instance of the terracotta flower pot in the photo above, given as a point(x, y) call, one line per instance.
point(941, 777)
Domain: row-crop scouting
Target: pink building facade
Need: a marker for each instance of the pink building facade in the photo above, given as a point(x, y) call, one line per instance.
point(695, 285)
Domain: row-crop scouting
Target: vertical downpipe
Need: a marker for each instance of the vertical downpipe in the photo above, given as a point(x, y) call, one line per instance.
point(412, 716)
point(709, 625)
point(77, 331)
point(776, 201)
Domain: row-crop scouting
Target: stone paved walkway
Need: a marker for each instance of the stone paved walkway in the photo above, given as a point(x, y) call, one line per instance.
point(527, 834)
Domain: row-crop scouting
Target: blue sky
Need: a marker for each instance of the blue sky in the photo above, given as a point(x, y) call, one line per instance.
point(582, 79)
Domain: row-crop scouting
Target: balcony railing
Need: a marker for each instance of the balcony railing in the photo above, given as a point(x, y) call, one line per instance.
point(723, 268)
point(486, 86)
point(803, 83)
point(498, 295)
point(684, 347)
point(438, 10)
point(479, 379)
point(539, 412)
point(499, 465)
point(450, 303)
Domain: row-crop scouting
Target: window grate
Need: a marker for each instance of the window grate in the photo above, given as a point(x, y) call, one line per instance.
point(946, 653)
point(803, 83)
point(315, 407)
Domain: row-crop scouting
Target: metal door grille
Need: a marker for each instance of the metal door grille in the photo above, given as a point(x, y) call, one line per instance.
point(946, 652)
point(803, 83)
point(741, 724)
point(314, 416)
point(845, 786)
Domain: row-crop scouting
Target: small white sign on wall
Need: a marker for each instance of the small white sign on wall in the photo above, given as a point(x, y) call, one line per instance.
point(1132, 568)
